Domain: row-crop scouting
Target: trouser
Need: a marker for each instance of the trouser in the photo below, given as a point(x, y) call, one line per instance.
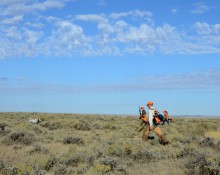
point(158, 131)
point(166, 120)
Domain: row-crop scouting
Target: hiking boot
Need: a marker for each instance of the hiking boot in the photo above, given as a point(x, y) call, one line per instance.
point(144, 137)
point(151, 137)
point(166, 143)
point(164, 140)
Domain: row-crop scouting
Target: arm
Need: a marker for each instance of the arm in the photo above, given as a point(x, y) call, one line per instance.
point(151, 116)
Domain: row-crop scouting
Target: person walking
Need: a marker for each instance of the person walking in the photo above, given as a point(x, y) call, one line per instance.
point(153, 125)
point(143, 117)
point(166, 117)
point(144, 123)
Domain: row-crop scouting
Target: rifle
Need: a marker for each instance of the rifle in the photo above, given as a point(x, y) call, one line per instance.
point(140, 112)
point(140, 128)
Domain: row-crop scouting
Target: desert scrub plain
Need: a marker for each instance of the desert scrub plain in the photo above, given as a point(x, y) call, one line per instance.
point(69, 144)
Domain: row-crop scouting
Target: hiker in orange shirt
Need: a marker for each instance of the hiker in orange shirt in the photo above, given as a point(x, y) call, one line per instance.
point(166, 117)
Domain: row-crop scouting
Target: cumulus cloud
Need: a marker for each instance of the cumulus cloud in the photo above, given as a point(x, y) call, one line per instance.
point(92, 18)
point(109, 34)
point(133, 14)
point(203, 28)
point(67, 39)
point(200, 8)
point(20, 8)
point(13, 20)
point(174, 11)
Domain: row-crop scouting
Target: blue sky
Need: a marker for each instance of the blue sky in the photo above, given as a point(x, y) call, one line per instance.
point(109, 57)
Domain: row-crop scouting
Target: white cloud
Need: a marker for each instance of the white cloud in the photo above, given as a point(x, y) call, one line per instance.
point(92, 18)
point(174, 11)
point(134, 14)
point(200, 8)
point(102, 3)
point(47, 5)
point(12, 33)
point(67, 39)
point(13, 20)
point(110, 34)
point(21, 7)
point(34, 25)
point(184, 80)
point(207, 79)
point(203, 28)
point(31, 37)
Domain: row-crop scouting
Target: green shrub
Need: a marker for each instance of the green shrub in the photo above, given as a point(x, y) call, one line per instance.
point(21, 137)
point(110, 161)
point(73, 140)
point(102, 168)
point(51, 161)
point(60, 169)
point(110, 126)
point(217, 146)
point(208, 142)
point(2, 165)
point(2, 126)
point(51, 125)
point(187, 152)
point(37, 130)
point(83, 126)
point(4, 132)
point(36, 148)
point(72, 160)
point(203, 164)
point(16, 146)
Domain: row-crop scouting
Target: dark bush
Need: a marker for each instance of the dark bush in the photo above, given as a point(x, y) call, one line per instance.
point(2, 126)
point(37, 130)
point(111, 161)
point(209, 142)
point(50, 163)
point(12, 170)
point(83, 126)
point(20, 137)
point(203, 165)
point(73, 160)
point(218, 146)
point(60, 170)
point(4, 132)
point(40, 172)
point(144, 155)
point(51, 126)
point(111, 126)
point(38, 148)
point(187, 152)
point(73, 140)
point(2, 165)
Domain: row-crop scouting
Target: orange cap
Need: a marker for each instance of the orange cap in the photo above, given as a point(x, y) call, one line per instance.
point(150, 103)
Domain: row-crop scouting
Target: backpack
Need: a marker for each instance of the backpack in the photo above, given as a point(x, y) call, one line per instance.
point(157, 117)
point(161, 117)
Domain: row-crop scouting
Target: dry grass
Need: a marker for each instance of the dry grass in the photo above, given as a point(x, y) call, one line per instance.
point(213, 134)
point(69, 144)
